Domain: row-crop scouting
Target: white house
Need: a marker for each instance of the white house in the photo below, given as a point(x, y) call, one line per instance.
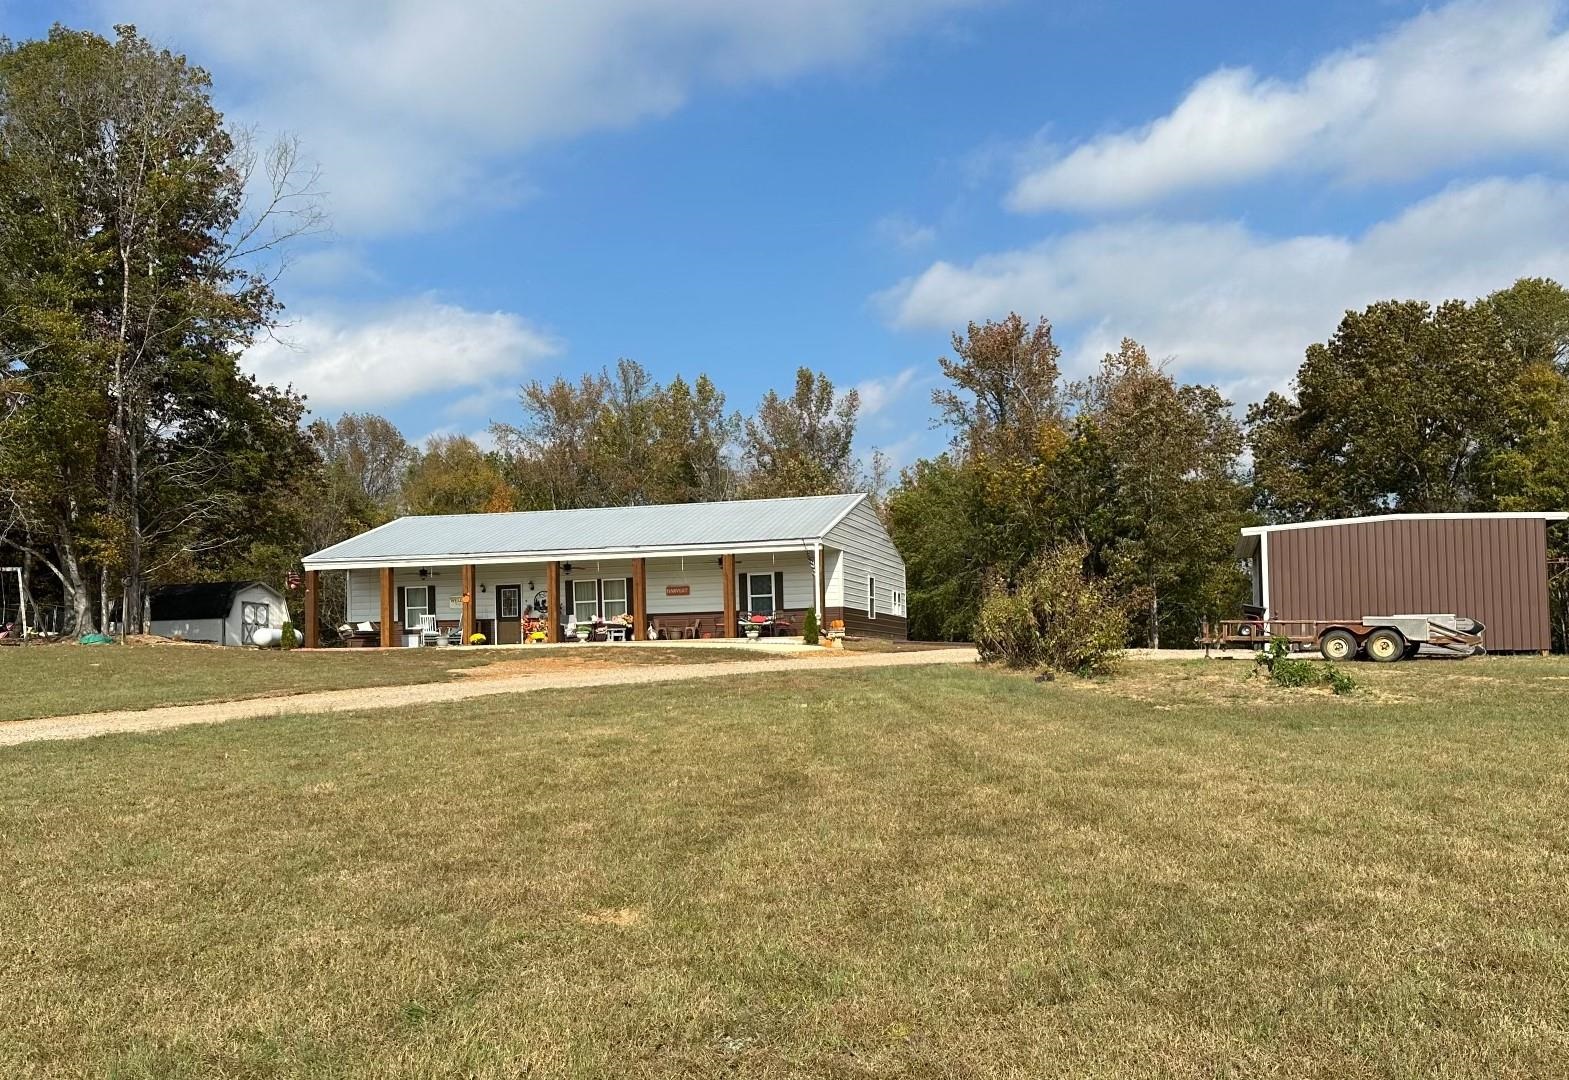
point(217, 612)
point(680, 569)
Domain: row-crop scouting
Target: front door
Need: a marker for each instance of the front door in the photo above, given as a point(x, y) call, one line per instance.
point(509, 614)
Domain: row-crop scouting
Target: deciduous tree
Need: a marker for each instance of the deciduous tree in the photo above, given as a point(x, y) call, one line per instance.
point(802, 444)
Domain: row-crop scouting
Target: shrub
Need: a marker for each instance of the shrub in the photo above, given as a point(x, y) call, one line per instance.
point(1338, 681)
point(476, 639)
point(1053, 617)
point(1283, 669)
point(287, 639)
point(809, 631)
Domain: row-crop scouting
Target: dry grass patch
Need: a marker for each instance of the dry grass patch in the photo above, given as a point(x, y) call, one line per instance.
point(903, 873)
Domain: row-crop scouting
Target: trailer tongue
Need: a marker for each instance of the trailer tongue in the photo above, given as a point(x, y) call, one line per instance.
point(1382, 638)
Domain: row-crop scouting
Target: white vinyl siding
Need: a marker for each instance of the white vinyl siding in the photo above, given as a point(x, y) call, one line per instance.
point(364, 589)
point(864, 555)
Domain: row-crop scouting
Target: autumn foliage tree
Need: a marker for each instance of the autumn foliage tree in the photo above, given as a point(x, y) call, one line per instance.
point(134, 268)
point(1134, 469)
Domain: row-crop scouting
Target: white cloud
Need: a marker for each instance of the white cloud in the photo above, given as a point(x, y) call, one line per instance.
point(415, 107)
point(879, 393)
point(1473, 81)
point(378, 359)
point(1228, 303)
point(898, 231)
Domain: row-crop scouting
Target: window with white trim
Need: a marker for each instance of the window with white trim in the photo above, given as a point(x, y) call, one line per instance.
point(509, 598)
point(615, 594)
point(415, 604)
point(760, 594)
point(897, 606)
point(871, 598)
point(585, 600)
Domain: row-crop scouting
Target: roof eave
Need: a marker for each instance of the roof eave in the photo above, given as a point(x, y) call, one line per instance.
point(493, 558)
point(1501, 515)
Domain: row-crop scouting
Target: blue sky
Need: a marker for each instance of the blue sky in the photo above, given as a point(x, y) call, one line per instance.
point(740, 186)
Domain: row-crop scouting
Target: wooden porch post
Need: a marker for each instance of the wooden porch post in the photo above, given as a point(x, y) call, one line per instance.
point(389, 629)
point(470, 623)
point(639, 599)
point(312, 608)
point(727, 568)
point(819, 590)
point(553, 610)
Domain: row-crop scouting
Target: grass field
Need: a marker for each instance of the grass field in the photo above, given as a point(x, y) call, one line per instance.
point(910, 873)
point(56, 680)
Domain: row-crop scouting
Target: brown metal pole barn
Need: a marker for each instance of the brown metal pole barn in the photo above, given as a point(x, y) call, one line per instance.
point(1489, 567)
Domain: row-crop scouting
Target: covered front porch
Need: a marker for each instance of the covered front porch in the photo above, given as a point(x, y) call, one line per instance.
point(591, 595)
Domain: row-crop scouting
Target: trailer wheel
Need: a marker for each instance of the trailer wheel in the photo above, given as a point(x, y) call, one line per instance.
point(1338, 645)
point(1385, 646)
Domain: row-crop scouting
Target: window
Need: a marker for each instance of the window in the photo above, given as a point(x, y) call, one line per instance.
point(615, 595)
point(508, 600)
point(871, 598)
point(585, 600)
point(897, 607)
point(760, 594)
point(416, 604)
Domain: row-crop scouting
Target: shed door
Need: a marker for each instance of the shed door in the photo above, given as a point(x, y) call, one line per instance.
point(251, 616)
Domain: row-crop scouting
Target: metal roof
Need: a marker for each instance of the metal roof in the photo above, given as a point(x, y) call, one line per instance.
point(603, 531)
point(1248, 540)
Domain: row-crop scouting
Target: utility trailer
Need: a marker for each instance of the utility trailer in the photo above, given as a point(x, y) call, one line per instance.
point(1381, 638)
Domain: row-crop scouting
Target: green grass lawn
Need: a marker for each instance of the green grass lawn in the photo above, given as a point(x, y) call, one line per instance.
point(900, 873)
point(55, 680)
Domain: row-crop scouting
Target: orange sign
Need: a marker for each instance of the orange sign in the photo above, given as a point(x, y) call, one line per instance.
point(678, 590)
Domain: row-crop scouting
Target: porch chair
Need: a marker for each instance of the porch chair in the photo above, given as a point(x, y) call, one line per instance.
point(428, 633)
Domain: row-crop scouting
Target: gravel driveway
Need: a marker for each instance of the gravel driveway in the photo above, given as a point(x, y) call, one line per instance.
point(102, 723)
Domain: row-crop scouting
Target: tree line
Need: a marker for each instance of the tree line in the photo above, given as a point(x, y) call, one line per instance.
point(140, 242)
point(1408, 407)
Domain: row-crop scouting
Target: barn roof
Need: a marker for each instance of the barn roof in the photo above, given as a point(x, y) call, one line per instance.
point(198, 600)
point(623, 530)
point(1248, 543)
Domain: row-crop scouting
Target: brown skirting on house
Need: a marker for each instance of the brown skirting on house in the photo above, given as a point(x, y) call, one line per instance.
point(856, 624)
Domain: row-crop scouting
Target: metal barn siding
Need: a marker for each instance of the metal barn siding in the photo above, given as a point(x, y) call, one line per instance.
point(1490, 569)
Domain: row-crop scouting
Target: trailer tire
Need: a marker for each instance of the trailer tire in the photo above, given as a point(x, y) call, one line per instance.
point(1384, 646)
point(1412, 650)
point(1338, 645)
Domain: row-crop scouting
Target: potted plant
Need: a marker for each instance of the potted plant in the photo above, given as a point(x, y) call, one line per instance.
point(476, 639)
